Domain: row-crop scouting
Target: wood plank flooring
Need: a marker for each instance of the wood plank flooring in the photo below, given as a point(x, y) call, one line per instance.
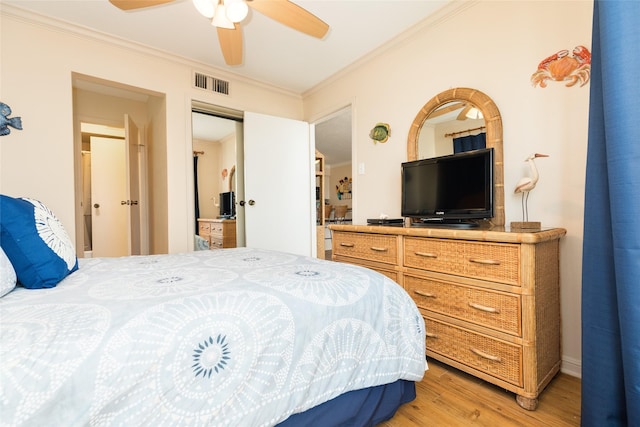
point(448, 397)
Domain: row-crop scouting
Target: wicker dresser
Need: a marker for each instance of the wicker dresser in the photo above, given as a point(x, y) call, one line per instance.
point(490, 299)
point(221, 233)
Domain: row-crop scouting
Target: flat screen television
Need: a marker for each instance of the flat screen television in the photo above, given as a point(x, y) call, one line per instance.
point(227, 205)
point(452, 191)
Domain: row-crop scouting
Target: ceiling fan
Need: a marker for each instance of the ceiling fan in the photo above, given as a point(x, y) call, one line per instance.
point(467, 111)
point(227, 15)
point(464, 112)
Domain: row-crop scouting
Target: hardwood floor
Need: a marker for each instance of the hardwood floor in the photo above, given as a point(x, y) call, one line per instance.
point(449, 397)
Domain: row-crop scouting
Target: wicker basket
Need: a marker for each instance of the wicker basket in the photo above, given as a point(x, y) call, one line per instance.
point(327, 211)
point(340, 211)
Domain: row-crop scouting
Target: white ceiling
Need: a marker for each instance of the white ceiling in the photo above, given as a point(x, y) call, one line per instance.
point(273, 53)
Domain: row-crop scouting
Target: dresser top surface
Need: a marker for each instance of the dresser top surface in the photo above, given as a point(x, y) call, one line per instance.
point(216, 220)
point(495, 234)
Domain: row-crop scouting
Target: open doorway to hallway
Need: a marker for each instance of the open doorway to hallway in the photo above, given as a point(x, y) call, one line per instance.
point(137, 116)
point(333, 135)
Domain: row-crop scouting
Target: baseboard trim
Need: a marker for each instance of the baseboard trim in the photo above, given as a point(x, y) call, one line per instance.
point(571, 366)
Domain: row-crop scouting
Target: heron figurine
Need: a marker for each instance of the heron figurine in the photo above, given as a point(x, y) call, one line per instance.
point(528, 183)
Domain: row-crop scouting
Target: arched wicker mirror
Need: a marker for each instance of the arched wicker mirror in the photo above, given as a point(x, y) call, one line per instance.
point(493, 124)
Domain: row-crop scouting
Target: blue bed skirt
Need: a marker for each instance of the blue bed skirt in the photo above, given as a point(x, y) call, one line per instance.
point(366, 408)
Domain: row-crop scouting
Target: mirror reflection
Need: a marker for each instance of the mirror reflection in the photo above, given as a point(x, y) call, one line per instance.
point(214, 141)
point(452, 128)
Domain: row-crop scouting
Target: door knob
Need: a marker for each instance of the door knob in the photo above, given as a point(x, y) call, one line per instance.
point(252, 202)
point(124, 202)
point(96, 205)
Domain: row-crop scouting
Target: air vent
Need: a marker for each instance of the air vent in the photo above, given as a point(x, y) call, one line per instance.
point(213, 84)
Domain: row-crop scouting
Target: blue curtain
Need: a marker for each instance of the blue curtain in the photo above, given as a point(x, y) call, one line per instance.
point(469, 142)
point(611, 247)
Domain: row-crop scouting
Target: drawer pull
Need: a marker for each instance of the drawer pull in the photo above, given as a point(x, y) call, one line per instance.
point(373, 248)
point(486, 355)
point(483, 308)
point(484, 261)
point(426, 254)
point(431, 335)
point(424, 294)
point(347, 245)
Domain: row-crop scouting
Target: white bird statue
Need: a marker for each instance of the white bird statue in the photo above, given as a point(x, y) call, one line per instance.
point(528, 183)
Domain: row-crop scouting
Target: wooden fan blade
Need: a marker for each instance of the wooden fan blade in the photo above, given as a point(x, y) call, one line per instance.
point(231, 44)
point(291, 15)
point(137, 4)
point(446, 109)
point(463, 113)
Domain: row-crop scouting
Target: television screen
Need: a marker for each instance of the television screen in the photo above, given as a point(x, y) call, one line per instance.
point(450, 189)
point(227, 205)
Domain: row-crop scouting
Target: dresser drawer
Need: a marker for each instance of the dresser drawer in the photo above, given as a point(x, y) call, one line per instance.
point(496, 310)
point(215, 243)
point(204, 228)
point(216, 229)
point(499, 262)
point(373, 247)
point(494, 357)
point(389, 272)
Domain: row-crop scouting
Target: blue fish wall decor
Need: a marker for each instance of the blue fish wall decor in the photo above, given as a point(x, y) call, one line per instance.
point(5, 121)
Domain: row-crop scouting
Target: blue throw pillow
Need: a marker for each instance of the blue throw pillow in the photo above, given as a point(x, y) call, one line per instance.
point(35, 242)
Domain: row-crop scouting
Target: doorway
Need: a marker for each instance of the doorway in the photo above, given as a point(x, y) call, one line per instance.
point(333, 135)
point(217, 148)
point(274, 181)
point(102, 150)
point(108, 109)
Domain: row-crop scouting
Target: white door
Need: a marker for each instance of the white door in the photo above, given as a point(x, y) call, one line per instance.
point(109, 218)
point(133, 184)
point(279, 184)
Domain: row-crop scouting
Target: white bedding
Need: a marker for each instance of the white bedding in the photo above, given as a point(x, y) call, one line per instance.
point(234, 337)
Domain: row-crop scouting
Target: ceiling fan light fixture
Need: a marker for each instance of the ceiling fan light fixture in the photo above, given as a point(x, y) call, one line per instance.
point(474, 113)
point(206, 8)
point(220, 19)
point(237, 10)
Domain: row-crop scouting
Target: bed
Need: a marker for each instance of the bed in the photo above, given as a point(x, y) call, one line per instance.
point(232, 337)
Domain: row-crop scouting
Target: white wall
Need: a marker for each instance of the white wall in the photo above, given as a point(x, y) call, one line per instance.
point(38, 57)
point(493, 46)
point(209, 177)
point(218, 155)
point(228, 161)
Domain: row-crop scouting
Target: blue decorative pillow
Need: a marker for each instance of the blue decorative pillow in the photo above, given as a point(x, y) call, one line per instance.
point(7, 275)
point(35, 242)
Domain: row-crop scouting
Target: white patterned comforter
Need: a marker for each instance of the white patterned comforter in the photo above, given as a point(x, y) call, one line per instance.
point(234, 337)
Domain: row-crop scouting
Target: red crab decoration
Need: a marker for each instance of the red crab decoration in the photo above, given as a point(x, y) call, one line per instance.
point(563, 67)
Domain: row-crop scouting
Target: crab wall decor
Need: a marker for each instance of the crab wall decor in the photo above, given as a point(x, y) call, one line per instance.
point(562, 66)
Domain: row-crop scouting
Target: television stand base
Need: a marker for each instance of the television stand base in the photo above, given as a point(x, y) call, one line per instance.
point(442, 223)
